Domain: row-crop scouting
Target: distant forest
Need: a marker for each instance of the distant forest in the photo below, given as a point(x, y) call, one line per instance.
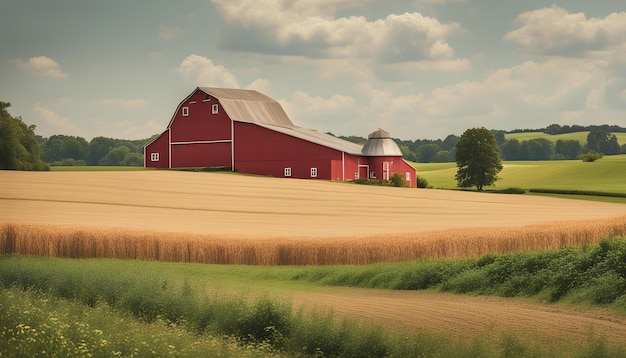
point(600, 140)
point(66, 150)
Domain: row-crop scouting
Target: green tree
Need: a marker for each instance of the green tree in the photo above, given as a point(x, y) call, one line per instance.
point(98, 148)
point(568, 148)
point(426, 152)
point(601, 141)
point(442, 156)
point(59, 147)
point(477, 158)
point(19, 148)
point(511, 149)
point(537, 149)
point(115, 157)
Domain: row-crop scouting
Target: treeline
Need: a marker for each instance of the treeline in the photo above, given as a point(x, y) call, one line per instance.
point(559, 129)
point(64, 150)
point(19, 149)
point(600, 140)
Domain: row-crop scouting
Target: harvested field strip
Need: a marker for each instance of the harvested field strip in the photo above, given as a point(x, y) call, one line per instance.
point(224, 205)
point(168, 207)
point(86, 242)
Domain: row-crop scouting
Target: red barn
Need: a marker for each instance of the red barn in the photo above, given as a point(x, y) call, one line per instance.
point(249, 132)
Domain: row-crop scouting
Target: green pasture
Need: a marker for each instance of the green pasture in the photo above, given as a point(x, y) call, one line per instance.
point(95, 168)
point(578, 136)
point(607, 174)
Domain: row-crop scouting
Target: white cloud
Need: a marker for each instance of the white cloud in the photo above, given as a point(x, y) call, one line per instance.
point(41, 66)
point(556, 31)
point(53, 120)
point(311, 29)
point(168, 33)
point(121, 102)
point(201, 71)
point(262, 85)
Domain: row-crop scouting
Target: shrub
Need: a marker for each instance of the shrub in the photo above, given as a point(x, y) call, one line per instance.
point(422, 182)
point(590, 157)
point(397, 179)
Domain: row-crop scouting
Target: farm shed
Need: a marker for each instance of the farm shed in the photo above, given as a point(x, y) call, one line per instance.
point(249, 132)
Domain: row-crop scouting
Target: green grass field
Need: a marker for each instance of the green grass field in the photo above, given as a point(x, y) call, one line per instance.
point(94, 168)
point(607, 174)
point(578, 136)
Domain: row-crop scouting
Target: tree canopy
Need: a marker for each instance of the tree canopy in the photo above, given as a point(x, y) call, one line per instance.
point(477, 158)
point(19, 148)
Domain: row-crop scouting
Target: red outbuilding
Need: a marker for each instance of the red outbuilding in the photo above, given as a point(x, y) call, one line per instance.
point(249, 132)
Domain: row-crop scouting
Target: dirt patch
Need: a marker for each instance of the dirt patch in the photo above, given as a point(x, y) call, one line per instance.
point(463, 316)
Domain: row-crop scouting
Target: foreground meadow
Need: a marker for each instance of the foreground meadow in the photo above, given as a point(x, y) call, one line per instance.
point(61, 305)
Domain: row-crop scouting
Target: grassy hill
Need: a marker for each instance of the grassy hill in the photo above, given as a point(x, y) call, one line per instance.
point(579, 136)
point(606, 174)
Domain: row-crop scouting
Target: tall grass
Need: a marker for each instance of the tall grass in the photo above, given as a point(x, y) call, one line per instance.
point(77, 242)
point(594, 275)
point(48, 305)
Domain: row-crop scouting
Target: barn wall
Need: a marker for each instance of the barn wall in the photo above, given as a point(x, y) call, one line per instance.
point(262, 151)
point(397, 165)
point(201, 155)
point(161, 146)
point(200, 124)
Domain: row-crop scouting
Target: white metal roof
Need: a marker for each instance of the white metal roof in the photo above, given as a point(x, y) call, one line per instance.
point(254, 107)
point(250, 106)
point(380, 144)
point(314, 136)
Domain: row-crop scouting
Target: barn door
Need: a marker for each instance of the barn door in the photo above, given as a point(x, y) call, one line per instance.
point(386, 170)
point(364, 171)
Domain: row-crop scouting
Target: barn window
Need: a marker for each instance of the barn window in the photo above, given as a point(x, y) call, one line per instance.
point(373, 175)
point(185, 111)
point(214, 109)
point(408, 176)
point(287, 172)
point(206, 98)
point(356, 175)
point(313, 172)
point(154, 157)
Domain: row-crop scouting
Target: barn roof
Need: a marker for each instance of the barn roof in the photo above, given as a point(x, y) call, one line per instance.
point(318, 138)
point(254, 107)
point(380, 143)
point(250, 106)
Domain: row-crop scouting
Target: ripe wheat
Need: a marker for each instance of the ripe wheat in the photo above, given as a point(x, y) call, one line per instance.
point(77, 242)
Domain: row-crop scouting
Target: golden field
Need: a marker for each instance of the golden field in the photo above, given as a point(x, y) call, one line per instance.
point(225, 218)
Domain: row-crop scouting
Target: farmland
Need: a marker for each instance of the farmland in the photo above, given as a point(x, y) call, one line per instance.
point(581, 137)
point(188, 217)
point(606, 174)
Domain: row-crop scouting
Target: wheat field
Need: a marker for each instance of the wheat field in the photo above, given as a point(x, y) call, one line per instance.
point(235, 219)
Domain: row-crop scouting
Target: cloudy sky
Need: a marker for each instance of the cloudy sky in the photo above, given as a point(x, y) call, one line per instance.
point(419, 69)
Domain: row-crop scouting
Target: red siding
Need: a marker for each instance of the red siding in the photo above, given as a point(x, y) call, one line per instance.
point(201, 155)
point(200, 124)
point(262, 151)
point(161, 147)
point(396, 165)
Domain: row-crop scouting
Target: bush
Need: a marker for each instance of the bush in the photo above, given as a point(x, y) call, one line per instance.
point(68, 162)
point(590, 157)
point(397, 180)
point(422, 182)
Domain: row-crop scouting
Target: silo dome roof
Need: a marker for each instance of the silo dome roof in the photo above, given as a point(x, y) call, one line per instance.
point(380, 144)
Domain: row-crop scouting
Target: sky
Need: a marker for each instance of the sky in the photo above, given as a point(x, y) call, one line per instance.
point(420, 69)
